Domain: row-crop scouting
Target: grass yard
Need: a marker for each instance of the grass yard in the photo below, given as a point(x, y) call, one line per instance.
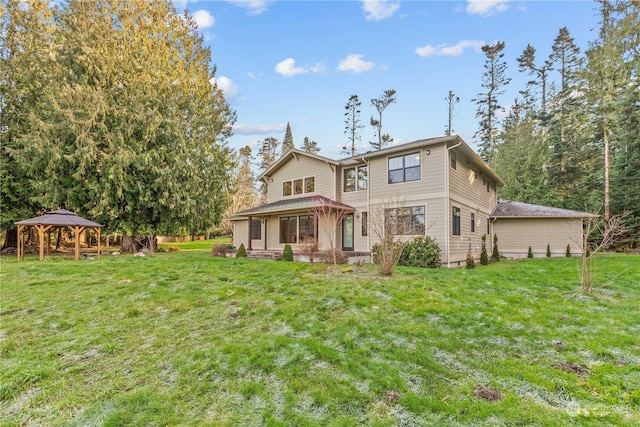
point(183, 338)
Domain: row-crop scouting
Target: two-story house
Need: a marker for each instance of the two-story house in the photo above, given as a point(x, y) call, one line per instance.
point(439, 187)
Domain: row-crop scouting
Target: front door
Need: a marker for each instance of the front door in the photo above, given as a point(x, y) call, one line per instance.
point(347, 233)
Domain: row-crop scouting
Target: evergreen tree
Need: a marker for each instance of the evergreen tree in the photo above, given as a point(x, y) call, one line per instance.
point(452, 100)
point(522, 139)
point(287, 143)
point(131, 98)
point(484, 257)
point(310, 146)
point(352, 125)
point(611, 61)
point(494, 81)
point(625, 173)
point(380, 104)
point(495, 254)
point(569, 131)
point(267, 156)
point(526, 62)
point(26, 65)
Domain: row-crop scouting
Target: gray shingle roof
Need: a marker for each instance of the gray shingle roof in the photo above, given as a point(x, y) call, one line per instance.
point(60, 217)
point(299, 203)
point(510, 209)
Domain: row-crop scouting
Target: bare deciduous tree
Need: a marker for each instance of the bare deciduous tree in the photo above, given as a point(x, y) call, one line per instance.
point(329, 218)
point(598, 234)
point(389, 231)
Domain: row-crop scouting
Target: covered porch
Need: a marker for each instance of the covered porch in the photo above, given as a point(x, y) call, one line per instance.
point(301, 222)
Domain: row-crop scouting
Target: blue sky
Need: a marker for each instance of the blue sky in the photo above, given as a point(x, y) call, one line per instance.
point(300, 61)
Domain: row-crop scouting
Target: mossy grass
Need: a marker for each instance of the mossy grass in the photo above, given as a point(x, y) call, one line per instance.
point(184, 338)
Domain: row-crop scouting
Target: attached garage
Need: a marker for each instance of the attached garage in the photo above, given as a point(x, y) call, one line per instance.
point(523, 225)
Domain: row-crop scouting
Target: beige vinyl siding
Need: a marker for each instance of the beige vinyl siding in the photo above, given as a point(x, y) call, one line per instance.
point(469, 187)
point(468, 191)
point(302, 167)
point(515, 235)
point(430, 185)
point(459, 245)
point(241, 233)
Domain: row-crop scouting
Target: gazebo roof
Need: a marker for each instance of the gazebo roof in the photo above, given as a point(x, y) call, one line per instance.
point(59, 218)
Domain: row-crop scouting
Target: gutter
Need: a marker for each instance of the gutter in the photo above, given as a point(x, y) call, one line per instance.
point(447, 213)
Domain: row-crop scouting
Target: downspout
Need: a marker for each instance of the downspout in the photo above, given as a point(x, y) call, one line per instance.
point(368, 204)
point(447, 211)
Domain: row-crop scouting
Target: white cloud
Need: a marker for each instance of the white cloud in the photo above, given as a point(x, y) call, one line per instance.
point(377, 10)
point(204, 19)
point(254, 7)
point(257, 129)
point(355, 64)
point(487, 7)
point(288, 68)
point(455, 50)
point(227, 86)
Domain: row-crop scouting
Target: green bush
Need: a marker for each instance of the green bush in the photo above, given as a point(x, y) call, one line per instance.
point(242, 252)
point(422, 251)
point(568, 251)
point(470, 262)
point(484, 257)
point(548, 251)
point(495, 255)
point(287, 253)
point(530, 253)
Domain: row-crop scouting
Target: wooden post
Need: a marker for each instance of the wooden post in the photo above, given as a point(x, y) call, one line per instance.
point(41, 240)
point(98, 229)
point(20, 250)
point(250, 229)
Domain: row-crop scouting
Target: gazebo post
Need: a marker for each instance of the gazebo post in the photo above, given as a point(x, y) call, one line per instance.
point(41, 240)
point(98, 230)
point(20, 242)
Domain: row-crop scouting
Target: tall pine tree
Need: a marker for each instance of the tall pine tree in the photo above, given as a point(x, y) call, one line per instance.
point(494, 80)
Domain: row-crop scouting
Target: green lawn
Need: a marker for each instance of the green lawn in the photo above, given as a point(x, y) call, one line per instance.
point(183, 338)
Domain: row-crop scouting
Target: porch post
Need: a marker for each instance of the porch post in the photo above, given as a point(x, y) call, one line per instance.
point(250, 227)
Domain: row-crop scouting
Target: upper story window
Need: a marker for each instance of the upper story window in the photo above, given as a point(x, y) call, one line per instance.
point(363, 177)
point(298, 186)
point(355, 179)
point(286, 188)
point(309, 185)
point(454, 162)
point(404, 168)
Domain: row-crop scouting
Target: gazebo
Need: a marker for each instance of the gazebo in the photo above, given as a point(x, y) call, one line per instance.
point(60, 218)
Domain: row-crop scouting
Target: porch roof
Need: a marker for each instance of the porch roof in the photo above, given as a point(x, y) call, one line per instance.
point(294, 204)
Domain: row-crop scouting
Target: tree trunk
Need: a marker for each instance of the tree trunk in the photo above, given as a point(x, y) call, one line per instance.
point(58, 239)
point(11, 239)
point(128, 245)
